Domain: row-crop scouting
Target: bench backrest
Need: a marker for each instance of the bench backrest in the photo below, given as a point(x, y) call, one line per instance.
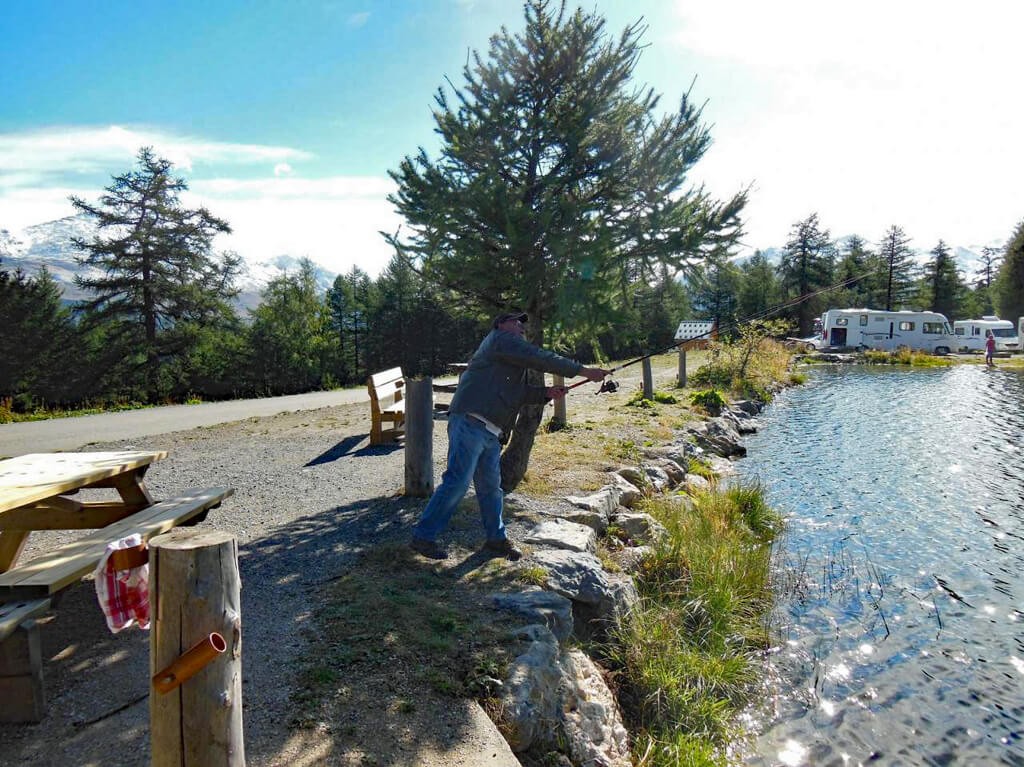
point(385, 386)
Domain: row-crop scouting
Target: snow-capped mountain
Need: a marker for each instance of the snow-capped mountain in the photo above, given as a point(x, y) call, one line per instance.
point(49, 244)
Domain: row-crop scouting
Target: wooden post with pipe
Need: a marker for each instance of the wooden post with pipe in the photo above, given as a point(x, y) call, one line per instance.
point(648, 378)
point(559, 419)
point(682, 366)
point(195, 661)
point(419, 437)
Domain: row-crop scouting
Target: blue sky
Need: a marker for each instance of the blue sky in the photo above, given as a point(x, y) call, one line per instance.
point(285, 115)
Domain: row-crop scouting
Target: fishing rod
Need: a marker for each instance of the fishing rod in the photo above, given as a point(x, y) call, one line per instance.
point(611, 386)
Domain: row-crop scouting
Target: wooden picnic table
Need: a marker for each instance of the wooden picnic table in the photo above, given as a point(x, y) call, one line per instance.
point(34, 491)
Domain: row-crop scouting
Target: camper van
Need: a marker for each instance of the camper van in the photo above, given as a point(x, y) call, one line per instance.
point(877, 329)
point(970, 334)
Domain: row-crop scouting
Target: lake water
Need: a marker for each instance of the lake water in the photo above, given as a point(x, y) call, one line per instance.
point(900, 617)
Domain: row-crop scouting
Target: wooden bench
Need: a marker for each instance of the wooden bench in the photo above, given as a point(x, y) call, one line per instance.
point(386, 404)
point(29, 589)
point(22, 697)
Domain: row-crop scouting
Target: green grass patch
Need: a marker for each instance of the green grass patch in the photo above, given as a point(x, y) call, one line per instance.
point(688, 656)
point(905, 356)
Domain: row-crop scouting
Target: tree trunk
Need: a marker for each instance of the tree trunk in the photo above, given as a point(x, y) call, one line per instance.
point(516, 457)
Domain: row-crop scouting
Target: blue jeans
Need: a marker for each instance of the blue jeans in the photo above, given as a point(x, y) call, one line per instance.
point(473, 453)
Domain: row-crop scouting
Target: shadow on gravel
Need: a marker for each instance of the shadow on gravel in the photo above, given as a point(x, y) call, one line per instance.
point(345, 448)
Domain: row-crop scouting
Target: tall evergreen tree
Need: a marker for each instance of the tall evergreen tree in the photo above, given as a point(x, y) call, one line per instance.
point(991, 258)
point(556, 171)
point(714, 294)
point(350, 301)
point(859, 272)
point(41, 359)
point(943, 285)
point(895, 252)
point(1009, 287)
point(805, 268)
point(759, 292)
point(158, 279)
point(290, 334)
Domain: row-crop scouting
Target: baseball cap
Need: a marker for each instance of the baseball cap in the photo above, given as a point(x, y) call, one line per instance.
point(521, 316)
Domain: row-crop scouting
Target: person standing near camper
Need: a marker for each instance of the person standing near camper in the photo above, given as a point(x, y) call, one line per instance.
point(488, 398)
point(990, 348)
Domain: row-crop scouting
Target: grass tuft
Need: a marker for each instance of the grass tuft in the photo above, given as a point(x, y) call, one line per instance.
point(686, 655)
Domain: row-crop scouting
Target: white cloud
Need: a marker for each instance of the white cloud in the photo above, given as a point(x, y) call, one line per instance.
point(334, 220)
point(64, 150)
point(357, 20)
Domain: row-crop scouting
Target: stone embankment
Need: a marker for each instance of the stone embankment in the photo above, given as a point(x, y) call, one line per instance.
point(553, 691)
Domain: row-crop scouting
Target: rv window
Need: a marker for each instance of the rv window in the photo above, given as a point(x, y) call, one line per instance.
point(879, 319)
point(932, 327)
point(842, 321)
point(904, 325)
point(863, 319)
point(959, 331)
point(1003, 332)
point(975, 330)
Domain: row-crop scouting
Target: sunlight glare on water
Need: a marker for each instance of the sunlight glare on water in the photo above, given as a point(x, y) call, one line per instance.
point(898, 577)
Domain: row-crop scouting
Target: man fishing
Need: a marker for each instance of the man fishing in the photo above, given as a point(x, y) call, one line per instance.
point(480, 417)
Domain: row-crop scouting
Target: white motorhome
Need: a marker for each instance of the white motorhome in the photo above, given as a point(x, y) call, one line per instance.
point(877, 329)
point(970, 334)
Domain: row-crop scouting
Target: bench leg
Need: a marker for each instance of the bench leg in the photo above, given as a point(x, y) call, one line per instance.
point(22, 698)
point(376, 433)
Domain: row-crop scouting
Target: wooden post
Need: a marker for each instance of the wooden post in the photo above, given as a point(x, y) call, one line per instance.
point(419, 437)
point(648, 379)
point(559, 418)
point(195, 590)
point(682, 366)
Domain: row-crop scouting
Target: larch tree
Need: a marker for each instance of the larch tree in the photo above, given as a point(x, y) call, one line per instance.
point(153, 275)
point(943, 286)
point(806, 268)
point(1009, 286)
point(759, 288)
point(898, 259)
point(559, 184)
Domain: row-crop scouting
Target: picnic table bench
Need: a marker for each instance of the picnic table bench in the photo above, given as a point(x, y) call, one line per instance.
point(34, 496)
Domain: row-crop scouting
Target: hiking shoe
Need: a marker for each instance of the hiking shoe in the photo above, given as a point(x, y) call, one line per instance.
point(505, 548)
point(429, 549)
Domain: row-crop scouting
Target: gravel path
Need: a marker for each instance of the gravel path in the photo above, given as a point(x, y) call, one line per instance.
point(309, 495)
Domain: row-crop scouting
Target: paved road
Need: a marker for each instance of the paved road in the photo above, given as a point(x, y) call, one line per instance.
point(71, 433)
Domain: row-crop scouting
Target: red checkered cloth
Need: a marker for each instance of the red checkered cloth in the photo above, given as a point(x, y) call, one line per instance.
point(123, 594)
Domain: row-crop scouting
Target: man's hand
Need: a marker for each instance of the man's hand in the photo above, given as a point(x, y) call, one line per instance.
point(594, 374)
point(555, 392)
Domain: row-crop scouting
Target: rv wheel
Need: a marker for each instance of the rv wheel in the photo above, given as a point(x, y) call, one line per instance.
point(942, 351)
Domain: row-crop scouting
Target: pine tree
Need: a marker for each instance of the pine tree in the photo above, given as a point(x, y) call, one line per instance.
point(894, 250)
point(558, 182)
point(759, 288)
point(159, 280)
point(714, 295)
point(944, 286)
point(806, 268)
point(290, 334)
point(41, 359)
point(1009, 287)
point(350, 301)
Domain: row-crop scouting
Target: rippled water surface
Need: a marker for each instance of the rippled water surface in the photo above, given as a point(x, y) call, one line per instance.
point(900, 619)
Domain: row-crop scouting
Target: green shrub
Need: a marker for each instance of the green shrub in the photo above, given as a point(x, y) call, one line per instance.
point(712, 400)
